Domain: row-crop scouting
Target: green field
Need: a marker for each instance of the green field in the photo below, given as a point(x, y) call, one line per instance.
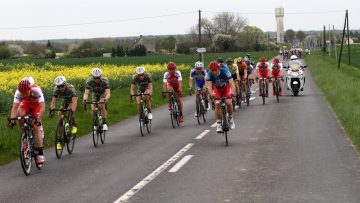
point(341, 89)
point(354, 54)
point(119, 107)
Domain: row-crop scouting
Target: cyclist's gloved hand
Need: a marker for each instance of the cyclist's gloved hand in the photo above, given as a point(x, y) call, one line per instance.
point(11, 124)
point(51, 113)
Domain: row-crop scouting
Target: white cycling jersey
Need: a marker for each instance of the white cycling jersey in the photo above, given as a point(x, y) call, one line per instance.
point(36, 95)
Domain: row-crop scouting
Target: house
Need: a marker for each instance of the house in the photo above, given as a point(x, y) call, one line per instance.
point(351, 41)
point(149, 44)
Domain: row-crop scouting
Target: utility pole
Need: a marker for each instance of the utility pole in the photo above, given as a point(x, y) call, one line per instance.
point(348, 31)
point(342, 39)
point(268, 36)
point(199, 43)
point(324, 41)
point(329, 41)
point(334, 40)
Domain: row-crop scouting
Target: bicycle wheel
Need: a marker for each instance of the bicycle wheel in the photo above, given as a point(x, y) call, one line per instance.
point(203, 110)
point(59, 140)
point(102, 134)
point(148, 125)
point(238, 97)
point(263, 92)
point(277, 90)
point(225, 126)
point(70, 142)
point(25, 153)
point(248, 94)
point(95, 130)
point(141, 120)
point(176, 113)
point(198, 113)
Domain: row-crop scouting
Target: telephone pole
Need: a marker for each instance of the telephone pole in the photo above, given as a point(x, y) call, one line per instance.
point(199, 43)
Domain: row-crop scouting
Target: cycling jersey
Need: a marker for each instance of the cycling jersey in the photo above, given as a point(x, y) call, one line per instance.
point(66, 95)
point(30, 101)
point(98, 89)
point(172, 79)
point(199, 77)
point(222, 79)
point(141, 84)
point(233, 68)
point(276, 70)
point(250, 69)
point(263, 69)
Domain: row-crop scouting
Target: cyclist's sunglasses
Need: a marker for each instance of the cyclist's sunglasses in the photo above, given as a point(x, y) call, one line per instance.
point(96, 78)
point(60, 86)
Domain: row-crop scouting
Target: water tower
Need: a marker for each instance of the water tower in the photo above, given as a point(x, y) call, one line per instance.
point(279, 14)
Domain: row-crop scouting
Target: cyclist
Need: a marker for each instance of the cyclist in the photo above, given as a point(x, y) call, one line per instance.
point(250, 72)
point(242, 73)
point(234, 70)
point(276, 68)
point(30, 99)
point(173, 81)
point(221, 62)
point(248, 57)
point(262, 71)
point(198, 73)
point(30, 79)
point(142, 80)
point(101, 92)
point(68, 95)
point(221, 84)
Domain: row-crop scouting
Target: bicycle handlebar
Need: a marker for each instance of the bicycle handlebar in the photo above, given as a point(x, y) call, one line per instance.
point(96, 103)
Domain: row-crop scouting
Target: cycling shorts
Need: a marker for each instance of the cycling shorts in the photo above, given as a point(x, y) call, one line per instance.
point(27, 105)
point(263, 73)
point(276, 73)
point(224, 91)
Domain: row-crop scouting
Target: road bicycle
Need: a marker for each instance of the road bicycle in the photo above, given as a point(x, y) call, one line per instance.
point(201, 109)
point(97, 126)
point(277, 88)
point(27, 148)
point(144, 121)
point(63, 133)
point(248, 90)
point(174, 111)
point(225, 120)
point(263, 89)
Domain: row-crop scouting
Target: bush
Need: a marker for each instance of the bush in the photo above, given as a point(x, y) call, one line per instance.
point(4, 52)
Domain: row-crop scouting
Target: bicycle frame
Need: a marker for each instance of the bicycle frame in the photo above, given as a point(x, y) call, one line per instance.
point(97, 124)
point(174, 113)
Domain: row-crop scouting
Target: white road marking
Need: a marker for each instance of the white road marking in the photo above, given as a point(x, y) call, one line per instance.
point(125, 197)
point(214, 125)
point(180, 164)
point(202, 134)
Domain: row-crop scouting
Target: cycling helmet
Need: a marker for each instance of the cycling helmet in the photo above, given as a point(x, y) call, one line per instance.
point(96, 72)
point(293, 57)
point(60, 80)
point(30, 79)
point(248, 55)
point(171, 66)
point(263, 60)
point(220, 60)
point(214, 65)
point(239, 60)
point(276, 61)
point(198, 64)
point(229, 60)
point(140, 70)
point(24, 86)
point(248, 62)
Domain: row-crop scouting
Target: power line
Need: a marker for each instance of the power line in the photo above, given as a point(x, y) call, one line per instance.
point(96, 22)
point(286, 13)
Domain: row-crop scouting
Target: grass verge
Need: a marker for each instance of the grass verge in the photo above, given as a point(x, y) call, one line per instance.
point(341, 89)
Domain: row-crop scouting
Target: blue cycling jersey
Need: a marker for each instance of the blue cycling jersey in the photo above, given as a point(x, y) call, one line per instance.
point(199, 77)
point(222, 79)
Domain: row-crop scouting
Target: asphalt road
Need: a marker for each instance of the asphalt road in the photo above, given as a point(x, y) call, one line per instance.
point(292, 151)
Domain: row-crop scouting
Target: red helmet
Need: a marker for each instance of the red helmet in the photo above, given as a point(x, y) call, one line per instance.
point(276, 61)
point(263, 60)
point(171, 66)
point(214, 65)
point(24, 86)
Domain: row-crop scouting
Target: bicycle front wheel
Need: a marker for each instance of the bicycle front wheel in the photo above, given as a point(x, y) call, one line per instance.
point(59, 140)
point(148, 125)
point(176, 113)
point(95, 130)
point(141, 121)
point(102, 136)
point(277, 90)
point(25, 153)
point(70, 142)
point(263, 92)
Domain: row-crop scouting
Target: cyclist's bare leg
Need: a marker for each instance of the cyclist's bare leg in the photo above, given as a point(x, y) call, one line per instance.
point(147, 99)
point(218, 110)
point(102, 108)
point(39, 133)
point(138, 101)
point(229, 106)
point(197, 99)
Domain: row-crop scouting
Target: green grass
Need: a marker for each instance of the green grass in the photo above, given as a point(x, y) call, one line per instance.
point(354, 54)
point(341, 89)
point(151, 59)
point(119, 107)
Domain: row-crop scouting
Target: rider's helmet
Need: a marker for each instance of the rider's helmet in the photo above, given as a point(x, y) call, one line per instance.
point(263, 60)
point(248, 62)
point(96, 72)
point(24, 86)
point(199, 64)
point(140, 70)
point(239, 60)
point(248, 56)
point(293, 57)
point(60, 80)
point(30, 79)
point(214, 65)
point(220, 60)
point(276, 61)
point(171, 66)
point(229, 60)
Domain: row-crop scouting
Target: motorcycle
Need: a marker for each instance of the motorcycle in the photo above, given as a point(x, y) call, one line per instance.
point(295, 78)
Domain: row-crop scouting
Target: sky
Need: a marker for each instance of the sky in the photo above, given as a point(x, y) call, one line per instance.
point(47, 19)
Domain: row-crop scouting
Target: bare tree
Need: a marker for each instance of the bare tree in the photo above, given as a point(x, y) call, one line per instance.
point(300, 35)
point(289, 35)
point(229, 23)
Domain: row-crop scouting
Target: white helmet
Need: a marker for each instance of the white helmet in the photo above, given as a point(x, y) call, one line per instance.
point(96, 72)
point(140, 70)
point(59, 80)
point(30, 79)
point(293, 57)
point(199, 64)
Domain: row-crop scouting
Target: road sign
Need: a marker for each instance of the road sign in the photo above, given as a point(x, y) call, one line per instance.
point(201, 50)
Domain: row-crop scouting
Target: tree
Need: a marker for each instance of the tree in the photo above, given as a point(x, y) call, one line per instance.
point(250, 39)
point(113, 52)
point(120, 51)
point(223, 42)
point(36, 50)
point(138, 50)
point(48, 45)
point(228, 23)
point(300, 35)
point(289, 36)
point(168, 43)
point(16, 50)
point(4, 52)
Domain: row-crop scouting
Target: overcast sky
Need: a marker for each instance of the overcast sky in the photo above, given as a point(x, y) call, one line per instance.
point(113, 18)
